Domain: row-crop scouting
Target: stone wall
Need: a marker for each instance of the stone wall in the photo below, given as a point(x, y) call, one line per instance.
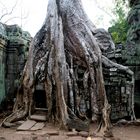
point(131, 53)
point(132, 49)
point(119, 89)
point(14, 45)
point(16, 55)
point(118, 84)
point(3, 43)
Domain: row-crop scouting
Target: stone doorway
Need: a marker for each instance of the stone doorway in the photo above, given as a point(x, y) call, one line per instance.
point(137, 98)
point(40, 99)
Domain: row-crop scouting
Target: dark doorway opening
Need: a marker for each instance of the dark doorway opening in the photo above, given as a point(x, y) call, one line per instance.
point(40, 99)
point(137, 98)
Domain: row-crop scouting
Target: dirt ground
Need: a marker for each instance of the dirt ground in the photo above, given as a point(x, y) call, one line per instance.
point(127, 132)
point(50, 132)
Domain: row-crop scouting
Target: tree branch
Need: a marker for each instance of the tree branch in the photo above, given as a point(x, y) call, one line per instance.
point(8, 13)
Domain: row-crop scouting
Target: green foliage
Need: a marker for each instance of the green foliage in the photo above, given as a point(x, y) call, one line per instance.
point(119, 25)
point(119, 31)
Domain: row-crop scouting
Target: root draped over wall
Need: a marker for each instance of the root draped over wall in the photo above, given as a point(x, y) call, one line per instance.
point(67, 58)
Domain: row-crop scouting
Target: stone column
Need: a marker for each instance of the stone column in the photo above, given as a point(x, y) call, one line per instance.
point(3, 42)
point(11, 70)
point(15, 58)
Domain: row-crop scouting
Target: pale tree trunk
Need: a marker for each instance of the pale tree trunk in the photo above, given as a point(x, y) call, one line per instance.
point(63, 45)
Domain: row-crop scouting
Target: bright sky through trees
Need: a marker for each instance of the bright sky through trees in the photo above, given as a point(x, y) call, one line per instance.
point(30, 14)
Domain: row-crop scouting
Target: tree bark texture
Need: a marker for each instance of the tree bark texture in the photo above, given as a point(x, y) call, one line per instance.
point(67, 58)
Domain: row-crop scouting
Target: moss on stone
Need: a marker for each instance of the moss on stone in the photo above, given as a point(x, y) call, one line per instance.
point(13, 46)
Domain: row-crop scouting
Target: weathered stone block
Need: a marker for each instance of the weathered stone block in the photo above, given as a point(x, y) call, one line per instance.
point(12, 58)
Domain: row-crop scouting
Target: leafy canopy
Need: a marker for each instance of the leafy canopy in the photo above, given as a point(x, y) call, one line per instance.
point(119, 25)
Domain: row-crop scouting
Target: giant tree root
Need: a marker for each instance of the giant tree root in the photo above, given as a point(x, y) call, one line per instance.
point(66, 57)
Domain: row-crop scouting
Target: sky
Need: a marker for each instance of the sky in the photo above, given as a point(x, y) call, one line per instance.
point(30, 14)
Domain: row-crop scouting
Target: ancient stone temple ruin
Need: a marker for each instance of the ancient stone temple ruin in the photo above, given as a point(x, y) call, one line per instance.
point(3, 44)
point(119, 88)
point(119, 85)
point(131, 54)
point(14, 44)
